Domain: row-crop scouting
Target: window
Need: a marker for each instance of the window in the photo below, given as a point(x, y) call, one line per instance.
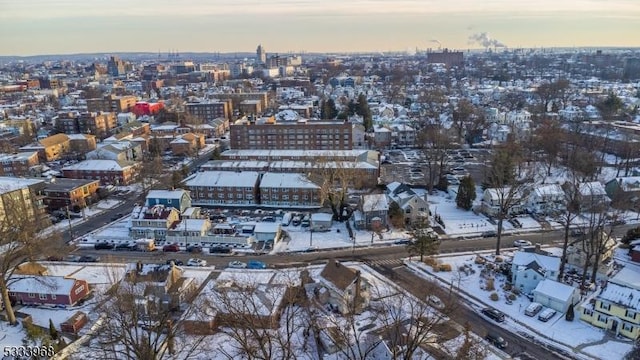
point(32, 295)
point(627, 327)
point(630, 314)
point(588, 312)
point(605, 306)
point(408, 211)
point(42, 296)
point(602, 318)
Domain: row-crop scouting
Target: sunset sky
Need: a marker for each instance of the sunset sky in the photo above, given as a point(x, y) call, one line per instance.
point(29, 27)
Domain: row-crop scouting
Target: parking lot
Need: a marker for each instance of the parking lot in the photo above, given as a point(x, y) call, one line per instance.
point(409, 166)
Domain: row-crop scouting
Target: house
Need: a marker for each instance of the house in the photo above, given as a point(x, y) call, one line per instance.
point(51, 148)
point(178, 198)
point(159, 286)
point(593, 194)
point(47, 290)
point(494, 198)
point(634, 250)
point(403, 135)
point(616, 306)
point(121, 150)
point(223, 187)
point(321, 221)
point(76, 194)
point(187, 144)
point(529, 268)
point(375, 211)
point(341, 289)
point(414, 207)
point(266, 231)
point(152, 222)
point(555, 295)
point(577, 256)
point(546, 200)
point(109, 172)
point(624, 191)
point(382, 137)
point(288, 190)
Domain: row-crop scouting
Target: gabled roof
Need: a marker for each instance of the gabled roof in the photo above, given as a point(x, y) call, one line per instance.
point(555, 290)
point(523, 258)
point(621, 295)
point(339, 275)
point(57, 285)
point(375, 202)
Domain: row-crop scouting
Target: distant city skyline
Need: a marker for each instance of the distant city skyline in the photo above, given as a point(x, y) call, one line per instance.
point(35, 27)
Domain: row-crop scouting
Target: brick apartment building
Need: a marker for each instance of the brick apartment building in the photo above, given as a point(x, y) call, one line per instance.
point(301, 135)
point(18, 164)
point(223, 187)
point(100, 124)
point(109, 172)
point(288, 190)
point(237, 98)
point(74, 193)
point(112, 103)
point(210, 110)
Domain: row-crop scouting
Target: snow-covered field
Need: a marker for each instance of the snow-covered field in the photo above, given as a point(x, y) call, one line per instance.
point(573, 335)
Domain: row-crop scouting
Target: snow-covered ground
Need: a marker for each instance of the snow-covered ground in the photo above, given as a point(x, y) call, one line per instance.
point(576, 334)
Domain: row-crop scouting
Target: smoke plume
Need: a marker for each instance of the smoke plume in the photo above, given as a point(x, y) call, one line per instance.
point(485, 40)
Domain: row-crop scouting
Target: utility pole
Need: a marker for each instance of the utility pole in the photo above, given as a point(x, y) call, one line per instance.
point(70, 226)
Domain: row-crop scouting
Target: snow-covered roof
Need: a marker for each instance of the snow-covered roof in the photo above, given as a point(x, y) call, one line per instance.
point(246, 179)
point(295, 153)
point(286, 180)
point(621, 295)
point(523, 258)
point(375, 202)
point(593, 188)
point(166, 194)
point(547, 190)
point(555, 290)
point(266, 228)
point(191, 224)
point(628, 277)
point(42, 285)
point(321, 217)
point(11, 183)
point(96, 165)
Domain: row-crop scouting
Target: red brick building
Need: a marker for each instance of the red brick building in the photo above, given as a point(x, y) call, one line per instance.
point(109, 172)
point(74, 193)
point(18, 164)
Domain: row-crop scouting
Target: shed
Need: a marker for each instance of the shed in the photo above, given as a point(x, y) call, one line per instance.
point(76, 322)
point(321, 221)
point(267, 231)
point(555, 295)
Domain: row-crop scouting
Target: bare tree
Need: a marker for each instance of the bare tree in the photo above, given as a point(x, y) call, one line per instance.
point(21, 238)
point(434, 145)
point(548, 138)
point(263, 321)
point(142, 315)
point(335, 178)
point(507, 184)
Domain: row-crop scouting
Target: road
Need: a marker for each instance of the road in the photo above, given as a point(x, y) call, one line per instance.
point(377, 257)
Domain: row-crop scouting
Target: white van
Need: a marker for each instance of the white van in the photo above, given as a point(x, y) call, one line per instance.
point(533, 309)
point(286, 219)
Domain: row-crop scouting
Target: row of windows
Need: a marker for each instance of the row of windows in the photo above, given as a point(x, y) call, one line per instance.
point(40, 296)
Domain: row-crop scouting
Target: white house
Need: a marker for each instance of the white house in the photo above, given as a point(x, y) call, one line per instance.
point(529, 268)
point(546, 199)
point(492, 199)
point(555, 295)
point(415, 207)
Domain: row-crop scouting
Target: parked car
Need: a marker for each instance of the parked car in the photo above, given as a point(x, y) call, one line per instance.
point(493, 314)
point(237, 265)
point(521, 242)
point(577, 232)
point(219, 250)
point(533, 309)
point(255, 264)
point(194, 249)
point(196, 262)
point(176, 262)
point(435, 302)
point(88, 258)
point(171, 248)
point(490, 233)
point(546, 314)
point(497, 340)
point(125, 247)
point(103, 246)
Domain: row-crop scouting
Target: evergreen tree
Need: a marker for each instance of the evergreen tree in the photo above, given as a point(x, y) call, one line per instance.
point(362, 109)
point(569, 316)
point(424, 242)
point(466, 193)
point(328, 109)
point(53, 332)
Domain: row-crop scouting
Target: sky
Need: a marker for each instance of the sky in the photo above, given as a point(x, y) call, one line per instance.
point(34, 27)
